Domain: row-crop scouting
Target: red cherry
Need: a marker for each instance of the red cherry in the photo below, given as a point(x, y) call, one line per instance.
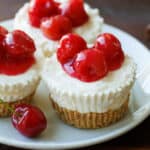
point(70, 45)
point(29, 120)
point(111, 47)
point(3, 33)
point(2, 51)
point(75, 11)
point(18, 43)
point(40, 9)
point(14, 66)
point(55, 27)
point(35, 20)
point(90, 65)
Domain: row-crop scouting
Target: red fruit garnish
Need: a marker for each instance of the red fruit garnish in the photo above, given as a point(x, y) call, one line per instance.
point(35, 20)
point(14, 66)
point(18, 43)
point(90, 65)
point(75, 11)
point(55, 27)
point(40, 9)
point(29, 120)
point(2, 51)
point(17, 56)
point(3, 31)
point(70, 45)
point(111, 47)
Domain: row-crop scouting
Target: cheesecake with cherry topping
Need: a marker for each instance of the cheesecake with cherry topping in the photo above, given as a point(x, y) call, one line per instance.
point(89, 86)
point(46, 21)
point(19, 75)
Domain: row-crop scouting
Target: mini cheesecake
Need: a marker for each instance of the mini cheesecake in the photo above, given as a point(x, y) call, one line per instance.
point(88, 30)
point(19, 75)
point(93, 98)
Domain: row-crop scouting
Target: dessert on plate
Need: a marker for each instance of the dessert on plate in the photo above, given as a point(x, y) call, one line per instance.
point(46, 21)
point(19, 75)
point(89, 86)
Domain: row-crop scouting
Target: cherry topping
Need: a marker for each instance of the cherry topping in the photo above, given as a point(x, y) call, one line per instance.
point(90, 65)
point(35, 20)
point(18, 43)
point(16, 53)
point(3, 31)
point(74, 10)
point(29, 120)
point(55, 27)
point(2, 37)
point(13, 66)
point(111, 47)
point(70, 45)
point(40, 9)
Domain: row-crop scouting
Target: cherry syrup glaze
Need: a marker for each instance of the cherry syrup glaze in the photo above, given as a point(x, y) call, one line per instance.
point(16, 52)
point(71, 14)
point(89, 64)
point(29, 120)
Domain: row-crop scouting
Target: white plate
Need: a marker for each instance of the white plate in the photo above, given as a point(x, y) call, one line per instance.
point(61, 136)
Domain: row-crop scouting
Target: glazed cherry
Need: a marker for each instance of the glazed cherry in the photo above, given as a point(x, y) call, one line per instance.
point(35, 20)
point(40, 9)
point(29, 120)
point(90, 65)
point(18, 43)
point(70, 45)
point(13, 66)
point(55, 27)
point(3, 31)
point(75, 11)
point(111, 47)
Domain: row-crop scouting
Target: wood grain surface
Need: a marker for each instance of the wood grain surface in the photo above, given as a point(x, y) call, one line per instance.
point(133, 16)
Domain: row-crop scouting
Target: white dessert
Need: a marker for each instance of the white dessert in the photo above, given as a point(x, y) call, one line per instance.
point(14, 88)
point(108, 93)
point(88, 31)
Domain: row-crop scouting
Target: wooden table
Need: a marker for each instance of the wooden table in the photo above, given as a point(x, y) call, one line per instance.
point(130, 15)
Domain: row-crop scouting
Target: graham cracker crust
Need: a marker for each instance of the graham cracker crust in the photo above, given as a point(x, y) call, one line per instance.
point(90, 120)
point(6, 108)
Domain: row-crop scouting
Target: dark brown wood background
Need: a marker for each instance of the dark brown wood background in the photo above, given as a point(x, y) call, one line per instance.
point(133, 16)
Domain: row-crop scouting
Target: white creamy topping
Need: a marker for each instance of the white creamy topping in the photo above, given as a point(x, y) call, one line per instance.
point(89, 30)
point(107, 93)
point(17, 87)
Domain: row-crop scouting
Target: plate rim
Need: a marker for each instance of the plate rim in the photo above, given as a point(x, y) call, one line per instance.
point(83, 143)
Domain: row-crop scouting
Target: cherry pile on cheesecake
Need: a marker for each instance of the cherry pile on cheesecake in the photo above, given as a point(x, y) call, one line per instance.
point(90, 64)
point(55, 20)
point(46, 21)
point(16, 52)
